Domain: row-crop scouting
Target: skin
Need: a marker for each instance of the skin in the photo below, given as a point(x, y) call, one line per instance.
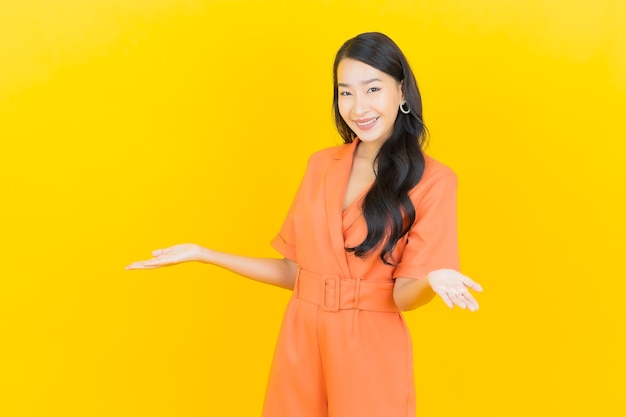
point(368, 102)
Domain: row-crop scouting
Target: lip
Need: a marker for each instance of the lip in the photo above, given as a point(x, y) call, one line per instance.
point(367, 124)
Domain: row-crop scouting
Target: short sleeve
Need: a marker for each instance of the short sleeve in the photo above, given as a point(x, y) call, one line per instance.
point(285, 241)
point(432, 242)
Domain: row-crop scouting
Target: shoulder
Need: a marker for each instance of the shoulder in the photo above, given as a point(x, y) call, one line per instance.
point(325, 157)
point(437, 176)
point(434, 169)
point(331, 153)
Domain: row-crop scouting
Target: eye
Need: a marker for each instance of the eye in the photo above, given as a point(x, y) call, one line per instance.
point(344, 93)
point(373, 90)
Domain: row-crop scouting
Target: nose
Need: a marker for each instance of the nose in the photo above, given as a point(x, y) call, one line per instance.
point(360, 105)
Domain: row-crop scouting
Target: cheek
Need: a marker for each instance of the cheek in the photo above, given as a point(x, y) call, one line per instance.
point(344, 110)
point(390, 102)
point(392, 108)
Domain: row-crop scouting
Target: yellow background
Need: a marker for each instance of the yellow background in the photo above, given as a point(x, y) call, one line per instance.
point(127, 126)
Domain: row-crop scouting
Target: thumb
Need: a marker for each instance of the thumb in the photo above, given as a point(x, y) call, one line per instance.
point(473, 285)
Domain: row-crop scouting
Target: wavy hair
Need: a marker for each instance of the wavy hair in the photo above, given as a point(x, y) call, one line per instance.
point(387, 208)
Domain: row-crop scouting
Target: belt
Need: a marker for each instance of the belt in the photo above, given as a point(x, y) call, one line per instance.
point(333, 293)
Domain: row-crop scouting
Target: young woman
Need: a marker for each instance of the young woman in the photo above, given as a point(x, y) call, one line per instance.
point(371, 233)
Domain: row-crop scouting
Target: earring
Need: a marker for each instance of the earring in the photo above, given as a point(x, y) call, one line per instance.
point(408, 108)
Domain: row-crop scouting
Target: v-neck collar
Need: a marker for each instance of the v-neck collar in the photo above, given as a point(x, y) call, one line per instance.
point(335, 185)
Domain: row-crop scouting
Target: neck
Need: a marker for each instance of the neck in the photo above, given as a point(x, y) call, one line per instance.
point(367, 150)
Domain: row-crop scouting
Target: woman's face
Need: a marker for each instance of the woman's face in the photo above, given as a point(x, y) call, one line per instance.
point(368, 100)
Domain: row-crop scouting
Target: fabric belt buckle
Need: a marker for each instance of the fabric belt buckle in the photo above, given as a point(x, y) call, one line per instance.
point(331, 291)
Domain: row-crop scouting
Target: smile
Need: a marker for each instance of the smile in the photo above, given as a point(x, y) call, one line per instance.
point(366, 123)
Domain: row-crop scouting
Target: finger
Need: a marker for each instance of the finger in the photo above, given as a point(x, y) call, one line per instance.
point(446, 299)
point(164, 260)
point(470, 301)
point(140, 265)
point(458, 299)
point(155, 262)
point(468, 282)
point(128, 268)
point(159, 252)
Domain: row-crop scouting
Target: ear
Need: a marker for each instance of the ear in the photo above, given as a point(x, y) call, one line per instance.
point(401, 87)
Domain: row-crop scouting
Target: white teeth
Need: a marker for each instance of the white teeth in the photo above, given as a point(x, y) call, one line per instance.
point(368, 123)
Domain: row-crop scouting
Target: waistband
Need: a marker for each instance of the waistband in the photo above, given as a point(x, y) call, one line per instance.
point(333, 293)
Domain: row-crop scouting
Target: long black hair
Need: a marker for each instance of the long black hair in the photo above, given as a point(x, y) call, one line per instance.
point(387, 208)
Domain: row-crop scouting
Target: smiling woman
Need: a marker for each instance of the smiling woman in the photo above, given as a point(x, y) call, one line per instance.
point(371, 232)
point(368, 100)
point(373, 118)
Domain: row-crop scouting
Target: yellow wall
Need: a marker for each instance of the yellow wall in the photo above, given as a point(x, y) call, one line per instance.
point(131, 125)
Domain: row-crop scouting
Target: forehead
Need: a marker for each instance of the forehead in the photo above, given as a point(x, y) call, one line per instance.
point(351, 71)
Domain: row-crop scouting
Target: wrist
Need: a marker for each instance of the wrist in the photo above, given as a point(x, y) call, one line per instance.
point(205, 255)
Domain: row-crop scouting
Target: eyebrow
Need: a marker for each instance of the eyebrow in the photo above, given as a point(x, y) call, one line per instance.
point(371, 80)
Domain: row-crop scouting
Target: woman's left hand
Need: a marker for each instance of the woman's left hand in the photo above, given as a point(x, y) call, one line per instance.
point(453, 288)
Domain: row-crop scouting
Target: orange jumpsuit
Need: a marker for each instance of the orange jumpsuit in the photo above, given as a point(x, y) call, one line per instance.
point(344, 349)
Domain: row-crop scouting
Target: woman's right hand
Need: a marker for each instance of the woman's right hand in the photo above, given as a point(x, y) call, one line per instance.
point(186, 252)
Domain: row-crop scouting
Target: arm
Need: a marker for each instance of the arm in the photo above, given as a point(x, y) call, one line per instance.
point(410, 294)
point(452, 286)
point(429, 264)
point(277, 272)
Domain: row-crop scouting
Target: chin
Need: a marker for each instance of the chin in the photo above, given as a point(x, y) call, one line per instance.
point(370, 138)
